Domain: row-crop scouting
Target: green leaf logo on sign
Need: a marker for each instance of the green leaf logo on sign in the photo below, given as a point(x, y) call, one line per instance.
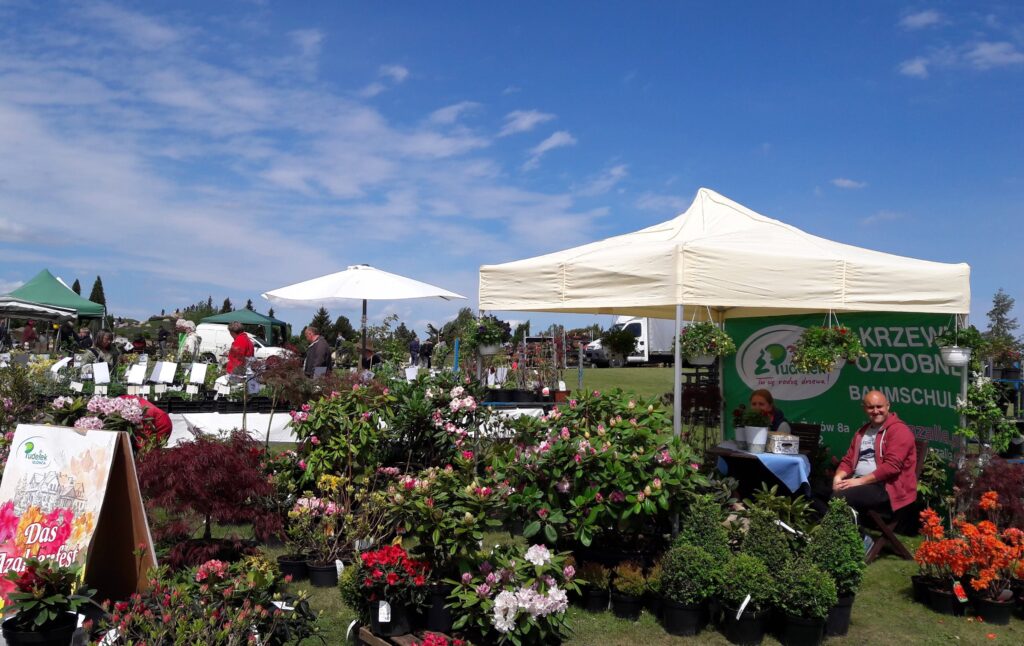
point(765, 361)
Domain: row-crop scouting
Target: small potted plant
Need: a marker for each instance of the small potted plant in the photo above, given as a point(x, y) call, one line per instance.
point(45, 602)
point(395, 585)
point(836, 547)
point(805, 595)
point(689, 579)
point(653, 596)
point(820, 348)
point(746, 591)
point(753, 426)
point(956, 345)
point(595, 593)
point(628, 588)
point(701, 343)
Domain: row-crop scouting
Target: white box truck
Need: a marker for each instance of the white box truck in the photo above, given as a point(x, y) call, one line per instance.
point(655, 339)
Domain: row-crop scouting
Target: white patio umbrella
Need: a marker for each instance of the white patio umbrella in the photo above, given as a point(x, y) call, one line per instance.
point(358, 282)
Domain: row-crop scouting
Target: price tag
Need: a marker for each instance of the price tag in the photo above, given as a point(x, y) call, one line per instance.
point(223, 389)
point(144, 389)
point(384, 612)
point(100, 390)
point(159, 389)
point(133, 390)
point(743, 606)
point(191, 389)
point(958, 590)
point(76, 386)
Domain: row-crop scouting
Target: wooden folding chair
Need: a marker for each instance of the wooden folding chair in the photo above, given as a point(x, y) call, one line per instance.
point(887, 524)
point(809, 434)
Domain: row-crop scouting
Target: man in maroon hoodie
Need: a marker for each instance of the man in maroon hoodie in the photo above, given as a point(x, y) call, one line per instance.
point(879, 470)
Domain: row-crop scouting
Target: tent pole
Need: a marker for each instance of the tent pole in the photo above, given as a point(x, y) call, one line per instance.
point(677, 387)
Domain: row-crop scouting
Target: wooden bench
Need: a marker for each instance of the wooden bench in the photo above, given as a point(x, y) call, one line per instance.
point(368, 638)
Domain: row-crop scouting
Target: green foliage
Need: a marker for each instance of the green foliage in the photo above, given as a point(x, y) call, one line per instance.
point(352, 595)
point(794, 511)
point(595, 575)
point(1004, 347)
point(836, 547)
point(744, 416)
point(968, 337)
point(629, 579)
point(746, 575)
point(819, 348)
point(805, 591)
point(933, 482)
point(43, 593)
point(766, 540)
point(689, 574)
point(654, 578)
point(986, 420)
point(226, 306)
point(619, 341)
point(76, 287)
point(248, 305)
point(322, 322)
point(97, 295)
point(701, 526)
point(705, 338)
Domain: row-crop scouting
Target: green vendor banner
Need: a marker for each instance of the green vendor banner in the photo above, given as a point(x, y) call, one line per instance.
point(902, 362)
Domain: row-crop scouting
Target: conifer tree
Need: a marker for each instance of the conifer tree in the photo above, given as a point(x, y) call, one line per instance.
point(96, 295)
point(226, 307)
point(248, 305)
point(321, 321)
point(76, 287)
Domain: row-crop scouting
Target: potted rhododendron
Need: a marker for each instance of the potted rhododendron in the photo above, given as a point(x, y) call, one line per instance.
point(45, 602)
point(394, 584)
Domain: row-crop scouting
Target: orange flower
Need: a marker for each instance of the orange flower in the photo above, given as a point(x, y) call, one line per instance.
point(989, 501)
point(931, 525)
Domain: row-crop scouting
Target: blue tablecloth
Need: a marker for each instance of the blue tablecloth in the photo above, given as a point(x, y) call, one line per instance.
point(792, 470)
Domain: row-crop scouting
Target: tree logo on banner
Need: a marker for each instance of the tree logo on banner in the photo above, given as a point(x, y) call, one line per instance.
point(765, 360)
point(34, 453)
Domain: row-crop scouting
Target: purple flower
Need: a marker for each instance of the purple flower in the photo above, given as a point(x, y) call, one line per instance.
point(466, 578)
point(569, 571)
point(483, 590)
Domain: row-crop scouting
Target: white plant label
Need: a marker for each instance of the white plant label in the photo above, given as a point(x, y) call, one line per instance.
point(743, 606)
point(76, 386)
point(384, 612)
point(339, 566)
point(159, 389)
point(192, 389)
point(100, 390)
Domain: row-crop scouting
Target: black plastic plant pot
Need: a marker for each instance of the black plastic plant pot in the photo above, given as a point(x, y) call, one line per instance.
point(626, 606)
point(748, 630)
point(683, 619)
point(838, 621)
point(388, 623)
point(58, 633)
point(945, 602)
point(295, 566)
point(523, 396)
point(439, 618)
point(323, 576)
point(994, 612)
point(595, 600)
point(920, 583)
point(654, 604)
point(803, 631)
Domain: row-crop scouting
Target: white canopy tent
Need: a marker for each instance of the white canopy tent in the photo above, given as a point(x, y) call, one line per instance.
point(721, 257)
point(13, 307)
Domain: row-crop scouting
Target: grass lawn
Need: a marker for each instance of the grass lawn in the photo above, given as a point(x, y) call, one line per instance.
point(647, 382)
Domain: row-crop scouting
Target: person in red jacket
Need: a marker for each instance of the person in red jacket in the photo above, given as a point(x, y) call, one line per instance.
point(156, 426)
point(241, 347)
point(879, 470)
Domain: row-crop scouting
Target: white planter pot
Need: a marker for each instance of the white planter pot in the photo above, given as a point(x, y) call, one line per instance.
point(955, 356)
point(757, 438)
point(741, 437)
point(702, 360)
point(488, 350)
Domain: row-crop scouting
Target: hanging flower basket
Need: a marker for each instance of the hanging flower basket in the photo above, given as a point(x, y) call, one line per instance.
point(490, 349)
point(955, 356)
point(701, 343)
point(820, 348)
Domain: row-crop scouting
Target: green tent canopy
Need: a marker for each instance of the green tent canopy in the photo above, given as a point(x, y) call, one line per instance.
point(249, 317)
point(44, 288)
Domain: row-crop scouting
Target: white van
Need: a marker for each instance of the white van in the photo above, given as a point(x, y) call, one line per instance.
point(215, 341)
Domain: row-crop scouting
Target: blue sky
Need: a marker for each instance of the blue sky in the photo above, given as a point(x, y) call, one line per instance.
point(185, 149)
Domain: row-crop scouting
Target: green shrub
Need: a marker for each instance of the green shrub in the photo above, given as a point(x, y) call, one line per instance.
point(766, 540)
point(629, 579)
point(805, 591)
point(352, 594)
point(655, 575)
point(594, 574)
point(746, 575)
point(702, 527)
point(689, 575)
point(836, 547)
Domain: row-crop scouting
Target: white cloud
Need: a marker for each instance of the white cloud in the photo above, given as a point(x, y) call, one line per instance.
point(605, 181)
point(986, 55)
point(452, 113)
point(523, 121)
point(396, 73)
point(12, 232)
point(308, 41)
point(8, 286)
point(511, 89)
point(558, 139)
point(843, 182)
point(142, 31)
point(915, 67)
point(666, 204)
point(371, 90)
point(880, 217)
point(921, 19)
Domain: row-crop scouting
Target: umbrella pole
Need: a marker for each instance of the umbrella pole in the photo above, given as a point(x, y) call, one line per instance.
point(363, 352)
point(677, 386)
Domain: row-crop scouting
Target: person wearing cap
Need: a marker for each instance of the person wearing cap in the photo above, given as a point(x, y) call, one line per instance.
point(370, 358)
